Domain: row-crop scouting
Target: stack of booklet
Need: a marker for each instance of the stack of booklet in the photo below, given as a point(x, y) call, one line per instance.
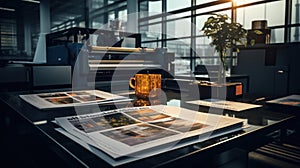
point(72, 98)
point(127, 134)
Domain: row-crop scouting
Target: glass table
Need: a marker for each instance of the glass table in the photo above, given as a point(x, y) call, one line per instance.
point(264, 124)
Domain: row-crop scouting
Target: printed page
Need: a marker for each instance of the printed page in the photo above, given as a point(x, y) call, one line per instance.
point(71, 98)
point(130, 131)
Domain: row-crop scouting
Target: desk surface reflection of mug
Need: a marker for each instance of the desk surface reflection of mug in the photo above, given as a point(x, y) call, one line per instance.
point(146, 85)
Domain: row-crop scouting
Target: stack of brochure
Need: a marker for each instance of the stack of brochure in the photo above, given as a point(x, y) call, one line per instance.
point(127, 134)
point(72, 98)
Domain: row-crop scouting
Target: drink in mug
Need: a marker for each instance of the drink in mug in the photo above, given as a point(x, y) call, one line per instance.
point(146, 85)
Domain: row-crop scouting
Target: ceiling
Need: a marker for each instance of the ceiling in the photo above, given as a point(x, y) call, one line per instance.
point(60, 10)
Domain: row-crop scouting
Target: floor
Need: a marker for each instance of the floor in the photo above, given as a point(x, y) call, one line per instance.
point(277, 154)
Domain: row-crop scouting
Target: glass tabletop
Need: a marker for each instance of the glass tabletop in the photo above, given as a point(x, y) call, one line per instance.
point(259, 123)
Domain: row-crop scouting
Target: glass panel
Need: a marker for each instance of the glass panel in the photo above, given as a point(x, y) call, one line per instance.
point(182, 66)
point(295, 34)
point(241, 2)
point(295, 11)
point(179, 28)
point(215, 7)
point(174, 5)
point(111, 15)
point(179, 15)
point(149, 8)
point(275, 13)
point(151, 32)
point(203, 1)
point(95, 4)
point(207, 61)
point(155, 7)
point(200, 20)
point(277, 35)
point(98, 22)
point(122, 19)
point(150, 21)
point(110, 2)
point(181, 48)
point(152, 45)
point(245, 16)
point(82, 24)
point(206, 52)
point(122, 15)
point(144, 8)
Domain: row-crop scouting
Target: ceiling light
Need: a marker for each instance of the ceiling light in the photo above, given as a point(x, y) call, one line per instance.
point(7, 9)
point(33, 1)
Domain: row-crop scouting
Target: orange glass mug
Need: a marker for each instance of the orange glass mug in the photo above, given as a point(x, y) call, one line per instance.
point(146, 85)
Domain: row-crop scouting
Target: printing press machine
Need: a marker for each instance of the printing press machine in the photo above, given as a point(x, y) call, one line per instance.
point(105, 55)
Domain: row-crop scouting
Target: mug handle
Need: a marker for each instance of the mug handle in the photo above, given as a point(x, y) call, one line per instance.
point(130, 82)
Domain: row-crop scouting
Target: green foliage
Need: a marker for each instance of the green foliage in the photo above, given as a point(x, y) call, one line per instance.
point(224, 34)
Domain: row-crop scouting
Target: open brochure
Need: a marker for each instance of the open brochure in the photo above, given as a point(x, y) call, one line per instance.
point(135, 131)
point(71, 98)
point(224, 104)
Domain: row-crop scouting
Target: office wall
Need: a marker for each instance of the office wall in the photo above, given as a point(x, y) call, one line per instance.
point(273, 70)
point(294, 75)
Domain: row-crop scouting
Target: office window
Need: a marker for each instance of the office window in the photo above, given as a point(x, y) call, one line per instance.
point(205, 53)
point(273, 12)
point(295, 11)
point(176, 31)
point(295, 31)
point(179, 28)
point(81, 24)
point(275, 9)
point(178, 15)
point(95, 4)
point(97, 22)
point(175, 5)
point(200, 20)
point(151, 32)
point(295, 35)
point(152, 45)
point(122, 15)
point(245, 16)
point(202, 1)
point(155, 7)
point(277, 35)
point(149, 8)
point(8, 36)
point(111, 15)
point(203, 47)
point(242, 2)
point(181, 48)
point(214, 8)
